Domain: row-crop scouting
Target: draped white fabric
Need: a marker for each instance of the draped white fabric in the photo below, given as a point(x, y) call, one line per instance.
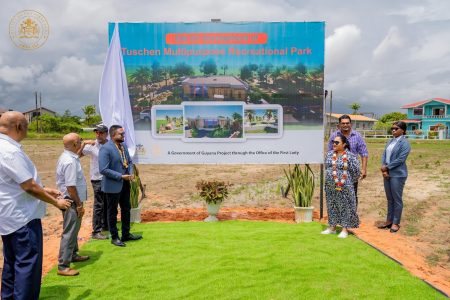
point(114, 100)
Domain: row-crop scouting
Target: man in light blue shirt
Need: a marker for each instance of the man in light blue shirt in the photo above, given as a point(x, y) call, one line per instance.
point(72, 184)
point(21, 210)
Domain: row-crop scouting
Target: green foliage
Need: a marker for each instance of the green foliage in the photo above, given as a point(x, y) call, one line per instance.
point(208, 67)
point(135, 189)
point(392, 117)
point(213, 191)
point(89, 111)
point(63, 124)
point(302, 184)
point(355, 107)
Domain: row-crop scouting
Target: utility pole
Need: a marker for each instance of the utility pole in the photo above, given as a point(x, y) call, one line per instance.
point(40, 107)
point(331, 109)
point(36, 107)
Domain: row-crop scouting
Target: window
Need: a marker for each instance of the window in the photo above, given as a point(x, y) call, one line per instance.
point(418, 111)
point(413, 127)
point(438, 111)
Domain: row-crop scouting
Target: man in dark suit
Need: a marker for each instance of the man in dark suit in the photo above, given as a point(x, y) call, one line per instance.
point(117, 169)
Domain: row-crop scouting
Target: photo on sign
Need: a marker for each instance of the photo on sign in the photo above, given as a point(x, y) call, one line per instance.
point(213, 122)
point(167, 121)
point(263, 121)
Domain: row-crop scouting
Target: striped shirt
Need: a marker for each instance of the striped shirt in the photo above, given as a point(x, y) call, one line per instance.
point(356, 141)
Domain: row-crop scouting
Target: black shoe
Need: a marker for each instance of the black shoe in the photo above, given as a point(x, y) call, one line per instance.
point(131, 237)
point(385, 226)
point(99, 236)
point(395, 230)
point(118, 242)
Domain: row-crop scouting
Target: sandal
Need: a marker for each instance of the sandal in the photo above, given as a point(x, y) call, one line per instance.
point(384, 226)
point(393, 230)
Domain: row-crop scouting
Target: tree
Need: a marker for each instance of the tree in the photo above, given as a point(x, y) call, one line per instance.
point(156, 72)
point(208, 67)
point(141, 77)
point(392, 117)
point(224, 68)
point(355, 106)
point(89, 111)
point(246, 73)
point(183, 69)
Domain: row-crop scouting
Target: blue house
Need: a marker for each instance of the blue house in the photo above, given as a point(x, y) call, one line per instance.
point(429, 118)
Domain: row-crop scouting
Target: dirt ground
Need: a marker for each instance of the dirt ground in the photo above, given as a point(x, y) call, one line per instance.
point(421, 246)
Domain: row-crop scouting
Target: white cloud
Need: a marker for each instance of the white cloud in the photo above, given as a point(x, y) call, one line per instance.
point(72, 73)
point(391, 41)
point(435, 47)
point(19, 75)
point(428, 11)
point(339, 46)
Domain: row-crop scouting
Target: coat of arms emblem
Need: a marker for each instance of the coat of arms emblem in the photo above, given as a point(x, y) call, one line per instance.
point(28, 29)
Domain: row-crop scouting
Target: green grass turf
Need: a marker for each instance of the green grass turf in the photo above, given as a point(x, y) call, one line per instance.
point(235, 260)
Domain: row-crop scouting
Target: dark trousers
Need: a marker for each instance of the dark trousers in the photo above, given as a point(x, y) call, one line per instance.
point(393, 187)
point(122, 199)
point(355, 187)
point(100, 211)
point(22, 269)
point(68, 247)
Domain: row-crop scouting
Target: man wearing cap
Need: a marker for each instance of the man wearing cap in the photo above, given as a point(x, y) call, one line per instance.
point(99, 212)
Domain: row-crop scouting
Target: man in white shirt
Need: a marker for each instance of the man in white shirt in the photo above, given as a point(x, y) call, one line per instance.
point(21, 210)
point(72, 184)
point(99, 212)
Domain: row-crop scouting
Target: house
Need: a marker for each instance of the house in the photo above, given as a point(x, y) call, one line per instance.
point(215, 87)
point(430, 117)
point(359, 122)
point(208, 122)
point(31, 114)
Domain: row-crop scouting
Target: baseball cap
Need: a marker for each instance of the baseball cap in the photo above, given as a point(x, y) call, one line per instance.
point(101, 128)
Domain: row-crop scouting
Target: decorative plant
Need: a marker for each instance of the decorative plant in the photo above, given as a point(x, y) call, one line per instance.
point(213, 191)
point(135, 186)
point(302, 183)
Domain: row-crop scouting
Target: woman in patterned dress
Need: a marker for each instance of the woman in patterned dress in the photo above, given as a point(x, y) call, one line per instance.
point(342, 170)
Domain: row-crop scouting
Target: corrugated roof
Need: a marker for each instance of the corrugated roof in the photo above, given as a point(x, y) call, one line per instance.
point(420, 103)
point(354, 117)
point(412, 121)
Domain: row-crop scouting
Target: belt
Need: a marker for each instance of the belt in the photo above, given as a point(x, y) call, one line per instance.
point(96, 181)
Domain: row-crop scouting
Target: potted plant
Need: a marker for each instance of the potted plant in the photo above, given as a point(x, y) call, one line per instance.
point(135, 188)
point(301, 182)
point(213, 192)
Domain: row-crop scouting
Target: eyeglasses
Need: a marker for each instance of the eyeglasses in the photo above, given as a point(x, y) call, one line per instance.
point(395, 128)
point(122, 134)
point(336, 142)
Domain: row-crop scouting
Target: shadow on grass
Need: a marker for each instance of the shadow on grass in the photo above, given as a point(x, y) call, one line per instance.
point(62, 292)
point(93, 257)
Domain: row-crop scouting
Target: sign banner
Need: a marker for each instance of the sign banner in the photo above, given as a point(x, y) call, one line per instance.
point(225, 92)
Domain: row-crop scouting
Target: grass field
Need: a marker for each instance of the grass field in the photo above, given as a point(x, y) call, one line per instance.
point(236, 260)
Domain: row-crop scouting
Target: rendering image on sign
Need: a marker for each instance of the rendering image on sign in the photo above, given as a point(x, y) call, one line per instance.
point(275, 71)
point(168, 121)
point(209, 121)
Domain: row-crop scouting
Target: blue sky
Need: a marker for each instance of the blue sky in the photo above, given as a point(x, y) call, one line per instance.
point(162, 113)
point(213, 111)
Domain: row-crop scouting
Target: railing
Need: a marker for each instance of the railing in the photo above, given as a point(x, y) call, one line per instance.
point(436, 117)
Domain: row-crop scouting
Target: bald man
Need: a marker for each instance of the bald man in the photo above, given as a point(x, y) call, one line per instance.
point(22, 206)
point(72, 184)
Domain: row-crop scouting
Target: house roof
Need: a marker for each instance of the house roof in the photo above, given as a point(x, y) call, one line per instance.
point(216, 80)
point(420, 103)
point(354, 117)
point(37, 109)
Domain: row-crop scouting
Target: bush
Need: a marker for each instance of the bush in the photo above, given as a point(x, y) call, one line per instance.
point(213, 191)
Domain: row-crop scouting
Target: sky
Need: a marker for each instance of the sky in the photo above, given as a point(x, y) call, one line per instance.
point(381, 54)
point(212, 111)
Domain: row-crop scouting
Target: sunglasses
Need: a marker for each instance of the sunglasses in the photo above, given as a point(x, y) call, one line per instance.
point(395, 128)
point(336, 142)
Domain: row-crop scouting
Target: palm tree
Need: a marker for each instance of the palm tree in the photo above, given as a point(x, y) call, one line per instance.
point(269, 114)
point(249, 114)
point(141, 77)
point(224, 68)
point(89, 111)
point(355, 106)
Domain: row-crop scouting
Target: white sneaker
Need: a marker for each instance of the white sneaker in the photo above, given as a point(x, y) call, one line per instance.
point(328, 231)
point(343, 234)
